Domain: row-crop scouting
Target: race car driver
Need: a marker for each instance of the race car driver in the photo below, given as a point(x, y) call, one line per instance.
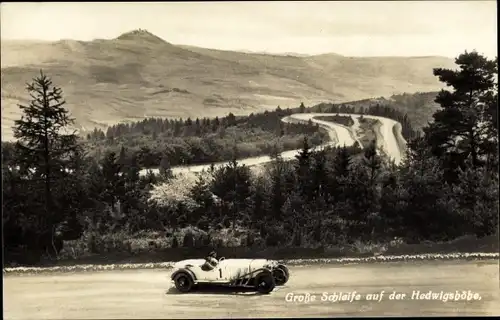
point(210, 261)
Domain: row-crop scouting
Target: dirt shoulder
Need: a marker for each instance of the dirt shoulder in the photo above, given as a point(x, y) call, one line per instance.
point(396, 130)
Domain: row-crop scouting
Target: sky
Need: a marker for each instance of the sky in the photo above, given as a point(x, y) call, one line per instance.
point(351, 28)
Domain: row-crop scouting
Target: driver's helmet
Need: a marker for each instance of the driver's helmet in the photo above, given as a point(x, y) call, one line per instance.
point(212, 254)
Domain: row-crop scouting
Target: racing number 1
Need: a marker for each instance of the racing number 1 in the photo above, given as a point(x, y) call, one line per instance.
point(220, 272)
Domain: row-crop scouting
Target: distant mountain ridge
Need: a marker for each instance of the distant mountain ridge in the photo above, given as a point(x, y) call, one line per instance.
point(139, 74)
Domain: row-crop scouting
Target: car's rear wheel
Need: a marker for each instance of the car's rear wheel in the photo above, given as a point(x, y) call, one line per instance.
point(265, 283)
point(183, 282)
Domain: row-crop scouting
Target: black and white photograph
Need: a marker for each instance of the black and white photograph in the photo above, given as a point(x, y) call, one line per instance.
point(249, 159)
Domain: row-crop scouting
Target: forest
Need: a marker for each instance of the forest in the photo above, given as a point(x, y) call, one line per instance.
point(62, 200)
point(200, 141)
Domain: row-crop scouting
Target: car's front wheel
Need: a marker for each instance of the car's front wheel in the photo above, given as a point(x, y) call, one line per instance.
point(265, 283)
point(183, 282)
point(281, 275)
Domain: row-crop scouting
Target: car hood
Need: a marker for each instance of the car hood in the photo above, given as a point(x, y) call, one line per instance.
point(246, 263)
point(194, 262)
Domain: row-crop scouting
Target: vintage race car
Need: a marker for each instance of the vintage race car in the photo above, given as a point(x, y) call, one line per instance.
point(259, 274)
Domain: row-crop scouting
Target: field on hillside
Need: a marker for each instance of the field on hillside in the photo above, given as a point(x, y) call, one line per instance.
point(139, 75)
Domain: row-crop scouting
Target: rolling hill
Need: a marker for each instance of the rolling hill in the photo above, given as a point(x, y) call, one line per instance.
point(139, 75)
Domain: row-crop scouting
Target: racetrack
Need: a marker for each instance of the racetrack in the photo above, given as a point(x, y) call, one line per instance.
point(340, 135)
point(146, 294)
point(347, 137)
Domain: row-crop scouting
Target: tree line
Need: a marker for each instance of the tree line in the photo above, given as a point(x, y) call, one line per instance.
point(55, 191)
point(156, 141)
point(377, 109)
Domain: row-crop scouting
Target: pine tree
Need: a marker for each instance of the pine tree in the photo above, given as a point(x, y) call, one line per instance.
point(259, 202)
point(113, 181)
point(132, 169)
point(358, 193)
point(275, 151)
point(372, 161)
point(122, 157)
point(342, 161)
point(476, 199)
point(231, 183)
point(44, 144)
point(278, 172)
point(302, 108)
point(418, 157)
point(165, 168)
point(319, 173)
point(339, 166)
point(295, 215)
point(465, 126)
point(390, 206)
point(424, 195)
point(280, 130)
point(205, 200)
point(303, 168)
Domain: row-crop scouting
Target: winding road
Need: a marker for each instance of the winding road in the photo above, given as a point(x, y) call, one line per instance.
point(393, 143)
point(148, 293)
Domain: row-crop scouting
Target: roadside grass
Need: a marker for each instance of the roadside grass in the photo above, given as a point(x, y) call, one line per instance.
point(154, 247)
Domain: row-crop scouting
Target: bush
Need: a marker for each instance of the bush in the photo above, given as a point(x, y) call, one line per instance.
point(276, 236)
point(249, 240)
point(297, 239)
point(188, 241)
point(175, 242)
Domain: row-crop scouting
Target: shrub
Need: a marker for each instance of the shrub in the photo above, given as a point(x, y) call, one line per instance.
point(175, 243)
point(188, 240)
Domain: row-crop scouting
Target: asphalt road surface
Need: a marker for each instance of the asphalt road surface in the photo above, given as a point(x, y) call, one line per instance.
point(148, 293)
point(345, 134)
